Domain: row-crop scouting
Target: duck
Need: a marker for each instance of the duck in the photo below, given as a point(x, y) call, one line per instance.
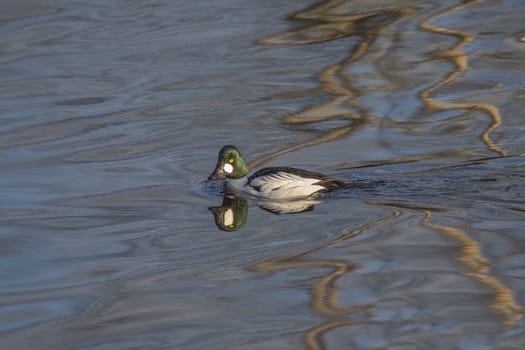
point(271, 183)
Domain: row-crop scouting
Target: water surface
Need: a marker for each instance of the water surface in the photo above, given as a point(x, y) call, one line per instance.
point(112, 114)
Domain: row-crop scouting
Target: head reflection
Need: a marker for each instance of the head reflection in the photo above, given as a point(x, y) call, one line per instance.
point(231, 215)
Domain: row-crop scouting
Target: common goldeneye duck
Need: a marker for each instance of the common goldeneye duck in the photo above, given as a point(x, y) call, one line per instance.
point(273, 183)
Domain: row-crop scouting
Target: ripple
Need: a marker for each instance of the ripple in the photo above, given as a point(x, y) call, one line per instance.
point(110, 117)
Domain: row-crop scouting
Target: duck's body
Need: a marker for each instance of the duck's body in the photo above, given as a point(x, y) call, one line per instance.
point(273, 183)
point(280, 183)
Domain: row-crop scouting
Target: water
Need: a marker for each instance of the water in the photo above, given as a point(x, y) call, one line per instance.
point(112, 114)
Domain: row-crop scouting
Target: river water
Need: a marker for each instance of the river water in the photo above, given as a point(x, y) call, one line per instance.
point(111, 117)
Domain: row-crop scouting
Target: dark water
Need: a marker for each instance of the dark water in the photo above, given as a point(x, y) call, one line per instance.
point(111, 116)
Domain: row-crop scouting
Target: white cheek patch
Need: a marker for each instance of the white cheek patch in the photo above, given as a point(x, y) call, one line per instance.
point(228, 168)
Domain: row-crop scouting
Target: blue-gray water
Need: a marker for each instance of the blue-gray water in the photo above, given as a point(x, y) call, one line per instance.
point(112, 114)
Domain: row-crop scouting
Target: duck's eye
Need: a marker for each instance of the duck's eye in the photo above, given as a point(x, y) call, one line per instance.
point(228, 168)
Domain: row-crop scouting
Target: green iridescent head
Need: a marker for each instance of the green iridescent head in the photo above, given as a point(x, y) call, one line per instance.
point(230, 164)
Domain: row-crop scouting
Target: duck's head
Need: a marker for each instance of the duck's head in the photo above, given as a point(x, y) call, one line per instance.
point(230, 164)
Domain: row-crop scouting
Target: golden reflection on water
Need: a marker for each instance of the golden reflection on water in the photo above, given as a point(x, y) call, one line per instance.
point(325, 23)
point(470, 255)
point(335, 79)
point(324, 292)
point(313, 337)
point(459, 59)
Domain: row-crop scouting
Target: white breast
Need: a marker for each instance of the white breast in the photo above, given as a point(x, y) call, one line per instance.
point(239, 186)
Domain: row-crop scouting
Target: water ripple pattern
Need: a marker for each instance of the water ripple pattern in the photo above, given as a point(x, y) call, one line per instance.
point(111, 116)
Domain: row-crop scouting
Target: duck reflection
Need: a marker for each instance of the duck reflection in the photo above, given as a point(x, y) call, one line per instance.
point(292, 207)
point(231, 215)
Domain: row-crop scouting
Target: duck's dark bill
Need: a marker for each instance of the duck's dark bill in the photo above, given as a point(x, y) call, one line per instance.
point(217, 173)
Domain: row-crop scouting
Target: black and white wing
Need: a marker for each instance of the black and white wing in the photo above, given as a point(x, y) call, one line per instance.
point(285, 182)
